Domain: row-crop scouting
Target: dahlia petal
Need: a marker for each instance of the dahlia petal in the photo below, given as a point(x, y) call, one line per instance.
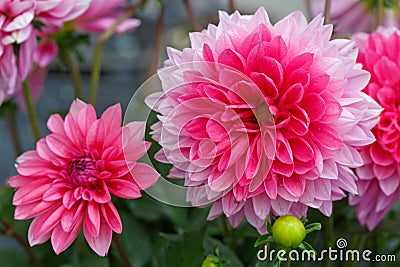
point(85, 114)
point(41, 227)
point(271, 187)
point(295, 185)
point(95, 136)
point(69, 199)
point(124, 189)
point(112, 117)
point(72, 130)
point(61, 146)
point(236, 219)
point(380, 156)
point(111, 216)
point(382, 172)
point(326, 136)
point(61, 240)
point(92, 219)
point(302, 150)
point(101, 194)
point(55, 192)
point(251, 217)
point(26, 194)
point(134, 130)
point(389, 185)
point(144, 175)
point(100, 243)
point(231, 58)
point(56, 124)
point(280, 206)
point(73, 217)
point(27, 211)
point(215, 210)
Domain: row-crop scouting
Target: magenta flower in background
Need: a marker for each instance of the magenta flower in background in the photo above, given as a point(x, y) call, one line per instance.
point(67, 182)
point(54, 13)
point(102, 15)
point(379, 177)
point(352, 16)
point(214, 127)
point(15, 28)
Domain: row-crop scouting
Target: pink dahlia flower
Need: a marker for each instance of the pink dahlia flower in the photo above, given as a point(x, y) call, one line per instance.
point(379, 177)
point(102, 15)
point(215, 127)
point(353, 16)
point(67, 182)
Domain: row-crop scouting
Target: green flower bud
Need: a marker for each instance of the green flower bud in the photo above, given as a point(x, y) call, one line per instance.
point(210, 261)
point(288, 231)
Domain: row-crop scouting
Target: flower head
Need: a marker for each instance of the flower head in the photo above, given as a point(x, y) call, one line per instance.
point(67, 182)
point(379, 177)
point(259, 117)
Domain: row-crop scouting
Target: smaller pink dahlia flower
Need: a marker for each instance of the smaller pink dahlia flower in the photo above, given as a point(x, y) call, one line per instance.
point(379, 177)
point(102, 15)
point(67, 182)
point(353, 16)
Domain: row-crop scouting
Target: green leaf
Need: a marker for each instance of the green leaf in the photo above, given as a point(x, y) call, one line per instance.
point(269, 226)
point(13, 257)
point(187, 250)
point(276, 262)
point(136, 241)
point(304, 246)
point(312, 227)
point(225, 253)
point(161, 3)
point(264, 239)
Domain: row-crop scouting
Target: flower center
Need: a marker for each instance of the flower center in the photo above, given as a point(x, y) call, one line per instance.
point(81, 171)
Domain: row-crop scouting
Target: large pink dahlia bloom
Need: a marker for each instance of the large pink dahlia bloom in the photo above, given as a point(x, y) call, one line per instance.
point(379, 177)
point(215, 129)
point(68, 180)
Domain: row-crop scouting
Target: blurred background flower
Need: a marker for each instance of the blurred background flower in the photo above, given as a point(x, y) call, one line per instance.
point(379, 177)
point(352, 16)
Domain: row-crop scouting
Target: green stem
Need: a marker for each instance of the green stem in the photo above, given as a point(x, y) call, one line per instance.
point(232, 6)
point(30, 107)
point(121, 251)
point(96, 66)
point(13, 129)
point(287, 262)
point(193, 20)
point(308, 8)
point(96, 70)
point(357, 242)
point(75, 73)
point(157, 43)
point(327, 11)
point(380, 13)
point(329, 236)
point(10, 231)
